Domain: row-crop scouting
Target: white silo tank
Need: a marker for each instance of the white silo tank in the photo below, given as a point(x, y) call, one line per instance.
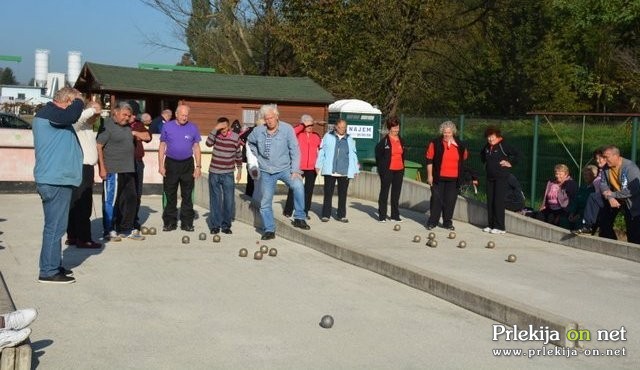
point(42, 67)
point(74, 65)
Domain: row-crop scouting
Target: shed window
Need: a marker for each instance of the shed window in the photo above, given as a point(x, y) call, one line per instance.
point(249, 116)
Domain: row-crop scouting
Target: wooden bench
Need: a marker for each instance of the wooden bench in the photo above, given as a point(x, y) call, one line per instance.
point(14, 358)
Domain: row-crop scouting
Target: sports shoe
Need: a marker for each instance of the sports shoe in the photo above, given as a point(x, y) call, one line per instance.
point(88, 245)
point(450, 227)
point(113, 236)
point(268, 235)
point(487, 229)
point(430, 227)
point(583, 230)
point(58, 278)
point(64, 271)
point(70, 241)
point(325, 219)
point(396, 219)
point(19, 319)
point(187, 228)
point(215, 230)
point(133, 236)
point(497, 231)
point(344, 219)
point(301, 224)
point(169, 227)
point(11, 338)
point(227, 230)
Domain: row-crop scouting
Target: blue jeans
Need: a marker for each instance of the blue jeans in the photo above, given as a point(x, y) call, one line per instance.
point(268, 186)
point(221, 200)
point(55, 203)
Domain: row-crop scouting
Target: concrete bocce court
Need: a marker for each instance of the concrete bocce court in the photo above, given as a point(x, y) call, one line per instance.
point(163, 304)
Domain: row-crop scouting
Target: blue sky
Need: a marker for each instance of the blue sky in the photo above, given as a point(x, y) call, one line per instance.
point(104, 31)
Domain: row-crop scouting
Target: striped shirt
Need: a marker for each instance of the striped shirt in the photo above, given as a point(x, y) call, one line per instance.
point(226, 153)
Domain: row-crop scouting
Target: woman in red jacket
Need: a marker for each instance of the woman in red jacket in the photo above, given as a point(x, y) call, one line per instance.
point(390, 153)
point(445, 155)
point(309, 143)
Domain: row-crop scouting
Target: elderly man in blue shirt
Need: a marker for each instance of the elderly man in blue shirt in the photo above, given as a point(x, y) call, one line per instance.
point(276, 147)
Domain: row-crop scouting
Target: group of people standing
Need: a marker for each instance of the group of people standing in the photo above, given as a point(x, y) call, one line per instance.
point(291, 154)
point(67, 149)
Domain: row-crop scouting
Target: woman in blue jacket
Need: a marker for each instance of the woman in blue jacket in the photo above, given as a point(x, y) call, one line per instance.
point(337, 162)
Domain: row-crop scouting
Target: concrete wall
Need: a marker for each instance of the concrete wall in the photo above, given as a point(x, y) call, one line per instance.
point(415, 196)
point(18, 158)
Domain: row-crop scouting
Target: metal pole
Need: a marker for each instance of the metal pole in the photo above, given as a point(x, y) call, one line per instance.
point(462, 127)
point(534, 160)
point(634, 139)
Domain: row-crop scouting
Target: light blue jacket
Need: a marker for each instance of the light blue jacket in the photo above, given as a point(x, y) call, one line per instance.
point(284, 154)
point(327, 151)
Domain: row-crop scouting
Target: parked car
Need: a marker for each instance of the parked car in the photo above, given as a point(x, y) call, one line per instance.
point(8, 120)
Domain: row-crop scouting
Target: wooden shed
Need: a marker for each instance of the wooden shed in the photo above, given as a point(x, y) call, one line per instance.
point(210, 95)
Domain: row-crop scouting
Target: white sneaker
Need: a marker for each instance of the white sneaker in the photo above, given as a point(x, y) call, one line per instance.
point(114, 237)
point(497, 231)
point(19, 319)
point(133, 236)
point(487, 229)
point(11, 338)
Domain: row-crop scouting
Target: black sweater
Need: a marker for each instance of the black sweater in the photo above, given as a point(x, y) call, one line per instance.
point(492, 155)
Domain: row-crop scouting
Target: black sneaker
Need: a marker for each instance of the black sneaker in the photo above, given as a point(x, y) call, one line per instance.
point(430, 227)
point(58, 278)
point(65, 272)
point(227, 230)
point(301, 224)
point(187, 227)
point(169, 227)
point(583, 230)
point(450, 227)
point(397, 219)
point(215, 230)
point(268, 235)
point(344, 220)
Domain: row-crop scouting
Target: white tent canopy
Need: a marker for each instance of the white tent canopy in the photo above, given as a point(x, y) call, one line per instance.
point(353, 106)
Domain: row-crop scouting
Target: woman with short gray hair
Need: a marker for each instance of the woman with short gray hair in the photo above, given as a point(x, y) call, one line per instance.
point(445, 155)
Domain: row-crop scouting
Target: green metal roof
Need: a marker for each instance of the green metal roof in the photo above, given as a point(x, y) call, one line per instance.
point(205, 85)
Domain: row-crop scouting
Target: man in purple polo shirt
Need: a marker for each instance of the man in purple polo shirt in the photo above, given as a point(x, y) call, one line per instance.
point(179, 145)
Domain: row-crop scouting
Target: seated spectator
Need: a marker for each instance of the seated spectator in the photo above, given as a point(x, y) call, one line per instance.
point(13, 327)
point(559, 196)
point(594, 204)
point(514, 197)
point(589, 174)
